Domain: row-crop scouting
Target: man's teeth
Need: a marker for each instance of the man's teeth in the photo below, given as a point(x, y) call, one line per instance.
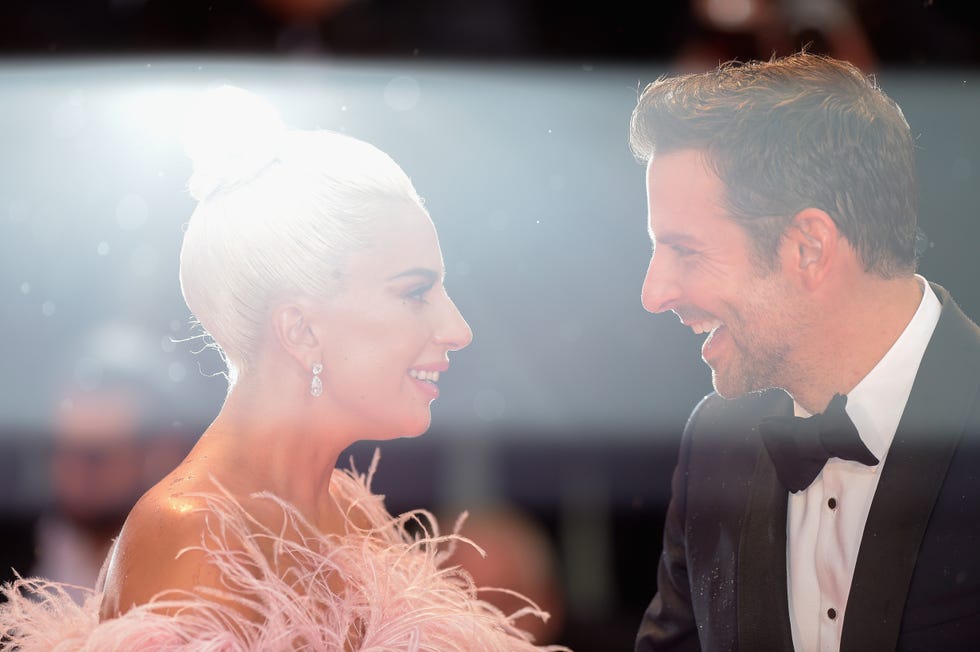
point(431, 376)
point(705, 326)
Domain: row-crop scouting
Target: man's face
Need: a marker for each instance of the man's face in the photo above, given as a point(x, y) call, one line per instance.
point(703, 270)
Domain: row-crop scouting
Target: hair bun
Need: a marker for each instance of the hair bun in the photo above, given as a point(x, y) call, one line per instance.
point(231, 135)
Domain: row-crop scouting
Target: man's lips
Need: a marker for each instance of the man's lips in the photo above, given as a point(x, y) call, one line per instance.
point(699, 322)
point(705, 326)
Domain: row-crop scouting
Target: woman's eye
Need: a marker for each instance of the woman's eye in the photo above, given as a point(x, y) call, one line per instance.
point(419, 293)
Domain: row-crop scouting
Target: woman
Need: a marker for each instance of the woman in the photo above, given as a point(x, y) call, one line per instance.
point(313, 266)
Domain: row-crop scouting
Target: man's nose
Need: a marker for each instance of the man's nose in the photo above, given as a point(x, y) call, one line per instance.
point(660, 290)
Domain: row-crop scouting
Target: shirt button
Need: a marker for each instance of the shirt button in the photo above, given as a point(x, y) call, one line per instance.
point(832, 613)
point(832, 503)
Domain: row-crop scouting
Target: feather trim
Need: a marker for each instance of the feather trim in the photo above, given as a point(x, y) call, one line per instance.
point(396, 593)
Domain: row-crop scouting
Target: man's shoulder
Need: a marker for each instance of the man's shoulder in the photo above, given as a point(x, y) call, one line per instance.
point(954, 318)
point(720, 449)
point(724, 431)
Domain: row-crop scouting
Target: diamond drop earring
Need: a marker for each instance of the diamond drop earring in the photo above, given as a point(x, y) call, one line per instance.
point(316, 385)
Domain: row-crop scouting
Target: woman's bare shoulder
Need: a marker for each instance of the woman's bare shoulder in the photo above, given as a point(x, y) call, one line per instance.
point(155, 549)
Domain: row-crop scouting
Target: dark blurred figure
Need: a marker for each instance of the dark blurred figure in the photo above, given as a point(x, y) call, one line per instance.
point(930, 33)
point(113, 436)
point(343, 27)
point(96, 477)
point(698, 33)
point(398, 28)
point(743, 30)
point(53, 27)
point(519, 557)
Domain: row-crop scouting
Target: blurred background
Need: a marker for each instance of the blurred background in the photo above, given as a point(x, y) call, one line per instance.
point(558, 427)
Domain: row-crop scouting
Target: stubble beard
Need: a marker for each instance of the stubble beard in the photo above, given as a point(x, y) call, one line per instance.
point(760, 353)
point(747, 375)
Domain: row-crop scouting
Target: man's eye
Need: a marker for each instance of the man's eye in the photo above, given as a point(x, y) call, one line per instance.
point(683, 251)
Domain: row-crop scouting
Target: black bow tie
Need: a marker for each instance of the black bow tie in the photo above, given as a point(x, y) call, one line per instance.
point(800, 447)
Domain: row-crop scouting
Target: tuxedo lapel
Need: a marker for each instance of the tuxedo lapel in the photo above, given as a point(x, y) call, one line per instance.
point(763, 613)
point(935, 415)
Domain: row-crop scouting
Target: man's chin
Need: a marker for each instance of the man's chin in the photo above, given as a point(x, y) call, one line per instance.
point(732, 388)
point(729, 388)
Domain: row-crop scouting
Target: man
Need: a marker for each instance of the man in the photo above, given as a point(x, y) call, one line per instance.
point(782, 211)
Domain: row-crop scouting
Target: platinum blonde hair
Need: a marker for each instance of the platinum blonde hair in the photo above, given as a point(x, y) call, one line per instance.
point(278, 213)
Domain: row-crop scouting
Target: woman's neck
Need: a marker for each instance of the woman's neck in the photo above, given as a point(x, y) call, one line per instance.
point(269, 439)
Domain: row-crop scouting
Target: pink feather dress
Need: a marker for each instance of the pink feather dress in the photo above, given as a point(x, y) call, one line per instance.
point(396, 596)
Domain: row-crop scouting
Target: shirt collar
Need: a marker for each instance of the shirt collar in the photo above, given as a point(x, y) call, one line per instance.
point(876, 404)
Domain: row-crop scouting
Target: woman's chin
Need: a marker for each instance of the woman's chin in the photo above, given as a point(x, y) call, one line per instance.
point(404, 430)
point(419, 429)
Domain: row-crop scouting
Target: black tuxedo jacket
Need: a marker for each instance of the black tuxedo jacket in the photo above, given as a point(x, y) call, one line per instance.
point(722, 575)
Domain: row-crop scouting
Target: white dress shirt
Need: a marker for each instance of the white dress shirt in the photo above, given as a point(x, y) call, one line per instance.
point(825, 521)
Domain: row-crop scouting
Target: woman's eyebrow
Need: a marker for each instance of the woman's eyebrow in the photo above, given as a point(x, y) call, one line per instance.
point(428, 274)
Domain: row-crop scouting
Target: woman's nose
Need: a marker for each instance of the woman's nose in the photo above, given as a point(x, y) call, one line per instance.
point(453, 333)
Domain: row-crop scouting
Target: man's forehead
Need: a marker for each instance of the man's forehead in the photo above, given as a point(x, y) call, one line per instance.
point(682, 187)
point(681, 163)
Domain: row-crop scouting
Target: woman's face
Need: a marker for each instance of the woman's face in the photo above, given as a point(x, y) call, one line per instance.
point(386, 335)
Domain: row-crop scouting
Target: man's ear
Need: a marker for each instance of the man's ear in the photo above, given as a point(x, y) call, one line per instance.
point(813, 242)
point(297, 332)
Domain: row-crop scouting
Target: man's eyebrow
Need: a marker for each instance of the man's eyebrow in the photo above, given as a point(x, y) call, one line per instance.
point(674, 238)
point(428, 274)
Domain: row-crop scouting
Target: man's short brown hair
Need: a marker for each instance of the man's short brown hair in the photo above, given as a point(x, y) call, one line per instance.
point(787, 134)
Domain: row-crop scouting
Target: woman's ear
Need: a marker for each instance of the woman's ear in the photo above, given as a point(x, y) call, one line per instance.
point(297, 332)
point(813, 246)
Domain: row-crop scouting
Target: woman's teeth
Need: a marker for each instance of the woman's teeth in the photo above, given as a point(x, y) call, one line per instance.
point(430, 376)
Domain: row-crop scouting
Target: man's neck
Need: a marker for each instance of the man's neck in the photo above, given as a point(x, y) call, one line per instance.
point(857, 329)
